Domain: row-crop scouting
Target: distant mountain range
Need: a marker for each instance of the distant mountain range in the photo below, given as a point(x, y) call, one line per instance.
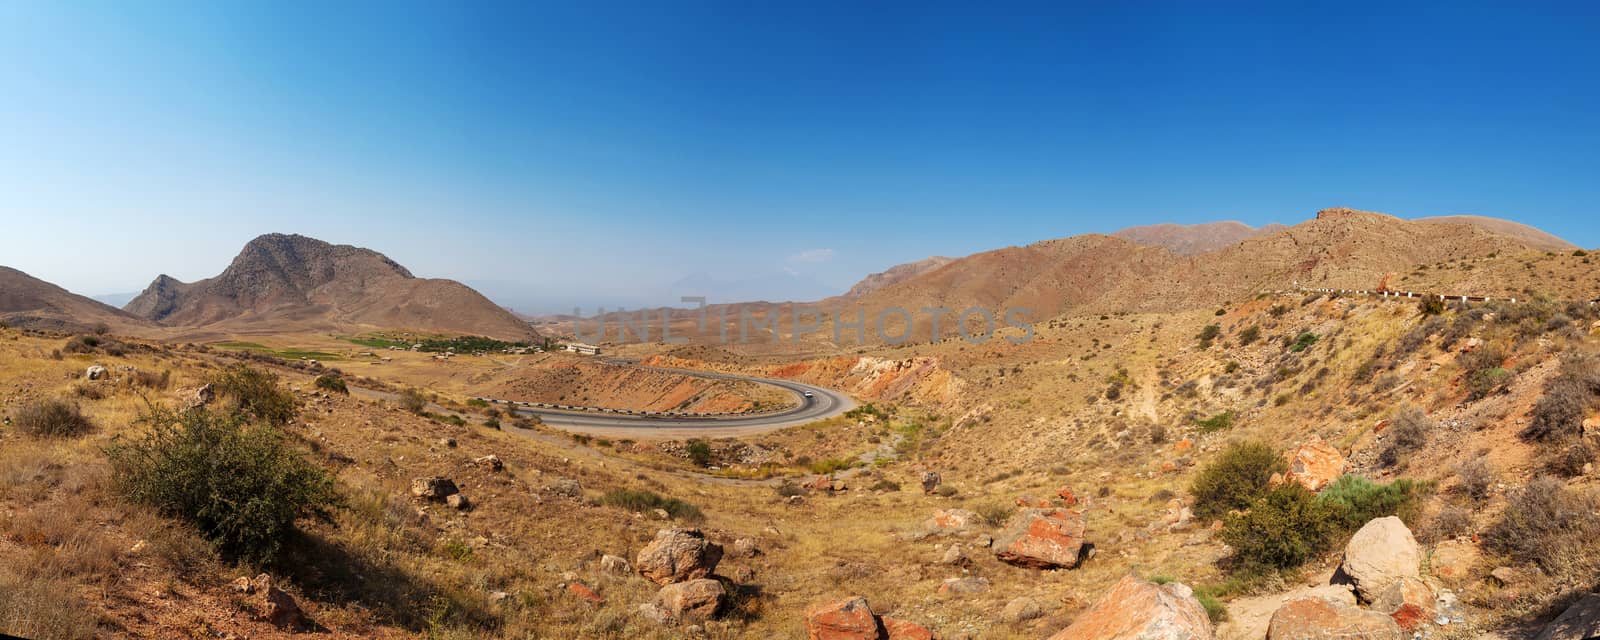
point(287, 283)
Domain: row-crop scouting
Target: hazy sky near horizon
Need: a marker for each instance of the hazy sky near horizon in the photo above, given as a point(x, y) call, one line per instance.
point(587, 153)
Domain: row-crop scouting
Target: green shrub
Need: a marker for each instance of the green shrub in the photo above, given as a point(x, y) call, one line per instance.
point(1249, 335)
point(1215, 610)
point(830, 465)
point(241, 485)
point(333, 383)
point(642, 501)
point(1235, 480)
point(699, 452)
point(54, 418)
point(1431, 306)
point(255, 393)
point(1358, 500)
point(1217, 422)
point(478, 403)
point(1282, 529)
point(1208, 335)
point(1303, 342)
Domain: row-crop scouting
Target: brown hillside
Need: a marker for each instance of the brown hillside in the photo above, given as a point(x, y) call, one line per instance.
point(26, 301)
point(1195, 239)
point(897, 273)
point(1535, 238)
point(280, 281)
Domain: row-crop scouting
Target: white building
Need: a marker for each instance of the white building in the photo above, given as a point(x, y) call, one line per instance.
point(585, 349)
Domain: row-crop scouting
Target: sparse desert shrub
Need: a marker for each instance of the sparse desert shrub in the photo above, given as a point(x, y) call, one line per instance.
point(1235, 480)
point(1476, 478)
point(641, 501)
point(1281, 529)
point(1570, 461)
point(789, 489)
point(151, 379)
point(1450, 522)
point(945, 491)
point(54, 418)
point(1158, 433)
point(1431, 306)
point(90, 390)
point(1408, 432)
point(1548, 524)
point(414, 401)
point(1558, 416)
point(1303, 342)
point(332, 383)
point(1208, 335)
point(994, 514)
point(241, 485)
point(885, 484)
point(1482, 371)
point(1249, 335)
point(44, 609)
point(255, 393)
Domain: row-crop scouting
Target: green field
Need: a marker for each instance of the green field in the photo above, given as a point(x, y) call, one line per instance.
point(288, 353)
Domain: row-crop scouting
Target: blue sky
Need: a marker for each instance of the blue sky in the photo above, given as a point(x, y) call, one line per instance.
point(599, 152)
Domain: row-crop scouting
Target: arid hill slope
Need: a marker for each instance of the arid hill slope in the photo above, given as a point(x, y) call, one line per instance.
point(1195, 239)
point(289, 281)
point(897, 273)
point(26, 301)
point(1535, 238)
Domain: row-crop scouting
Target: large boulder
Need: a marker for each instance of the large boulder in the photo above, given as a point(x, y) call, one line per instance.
point(1382, 552)
point(1042, 539)
point(1315, 618)
point(1138, 610)
point(677, 555)
point(1408, 601)
point(97, 372)
point(1314, 464)
point(1579, 622)
point(697, 600)
point(848, 619)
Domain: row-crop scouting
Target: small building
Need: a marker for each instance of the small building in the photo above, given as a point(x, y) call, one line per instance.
point(585, 349)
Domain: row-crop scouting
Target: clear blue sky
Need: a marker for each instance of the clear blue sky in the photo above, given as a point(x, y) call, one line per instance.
point(596, 152)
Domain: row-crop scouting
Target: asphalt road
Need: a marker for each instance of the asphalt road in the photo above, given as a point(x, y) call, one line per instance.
point(824, 403)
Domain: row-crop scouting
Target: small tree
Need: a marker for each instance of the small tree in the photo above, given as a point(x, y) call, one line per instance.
point(241, 485)
point(333, 383)
point(1282, 529)
point(699, 452)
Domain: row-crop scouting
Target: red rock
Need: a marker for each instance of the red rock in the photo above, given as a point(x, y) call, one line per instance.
point(848, 619)
point(1138, 610)
point(896, 629)
point(585, 593)
point(1314, 464)
point(1314, 618)
point(1169, 466)
point(820, 483)
point(1068, 498)
point(1183, 445)
point(1408, 601)
point(1042, 539)
point(951, 520)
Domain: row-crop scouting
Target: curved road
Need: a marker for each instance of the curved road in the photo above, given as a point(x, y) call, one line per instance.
point(823, 404)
